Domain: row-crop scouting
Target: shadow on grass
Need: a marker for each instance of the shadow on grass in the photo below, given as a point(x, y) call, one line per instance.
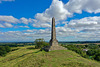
point(31, 48)
point(13, 58)
point(15, 49)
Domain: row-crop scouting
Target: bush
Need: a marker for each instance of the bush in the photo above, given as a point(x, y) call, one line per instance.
point(40, 43)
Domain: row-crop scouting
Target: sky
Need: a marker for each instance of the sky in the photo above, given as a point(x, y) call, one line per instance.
point(27, 20)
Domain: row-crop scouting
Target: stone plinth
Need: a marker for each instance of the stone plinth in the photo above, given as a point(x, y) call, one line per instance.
point(51, 48)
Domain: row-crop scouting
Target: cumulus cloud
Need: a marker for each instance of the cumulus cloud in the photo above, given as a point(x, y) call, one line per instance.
point(44, 25)
point(65, 30)
point(26, 35)
point(8, 25)
point(24, 26)
point(24, 20)
point(91, 6)
point(86, 28)
point(87, 22)
point(29, 31)
point(59, 10)
point(9, 19)
point(63, 34)
point(56, 10)
point(62, 11)
point(6, 0)
point(1, 26)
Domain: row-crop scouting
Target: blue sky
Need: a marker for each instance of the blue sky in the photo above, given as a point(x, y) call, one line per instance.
point(27, 20)
point(24, 8)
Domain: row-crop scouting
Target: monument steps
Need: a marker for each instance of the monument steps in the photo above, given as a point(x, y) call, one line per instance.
point(51, 48)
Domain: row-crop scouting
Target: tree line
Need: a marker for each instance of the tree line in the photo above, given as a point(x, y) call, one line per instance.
point(93, 50)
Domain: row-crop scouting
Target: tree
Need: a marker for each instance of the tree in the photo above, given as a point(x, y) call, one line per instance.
point(93, 46)
point(2, 51)
point(40, 43)
point(91, 52)
point(8, 49)
point(97, 55)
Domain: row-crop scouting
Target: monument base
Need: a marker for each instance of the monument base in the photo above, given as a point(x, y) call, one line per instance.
point(51, 48)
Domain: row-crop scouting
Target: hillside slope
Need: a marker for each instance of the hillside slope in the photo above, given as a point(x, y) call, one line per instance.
point(24, 57)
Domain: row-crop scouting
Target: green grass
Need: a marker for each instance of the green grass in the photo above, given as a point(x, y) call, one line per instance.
point(30, 57)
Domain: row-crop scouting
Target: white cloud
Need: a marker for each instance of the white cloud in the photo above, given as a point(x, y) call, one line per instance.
point(80, 29)
point(8, 25)
point(26, 35)
point(24, 20)
point(6, 0)
point(86, 5)
point(30, 31)
point(42, 25)
point(65, 30)
point(62, 11)
point(87, 22)
point(27, 21)
point(24, 26)
point(45, 32)
point(56, 10)
point(87, 28)
point(84, 29)
point(1, 26)
point(9, 19)
point(5, 20)
point(59, 10)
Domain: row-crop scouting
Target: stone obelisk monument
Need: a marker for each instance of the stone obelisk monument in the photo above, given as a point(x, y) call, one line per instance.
point(53, 42)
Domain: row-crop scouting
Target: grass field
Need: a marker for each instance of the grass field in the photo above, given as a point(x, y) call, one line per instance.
point(30, 57)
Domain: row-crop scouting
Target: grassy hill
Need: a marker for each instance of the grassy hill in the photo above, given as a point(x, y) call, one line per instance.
point(30, 57)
